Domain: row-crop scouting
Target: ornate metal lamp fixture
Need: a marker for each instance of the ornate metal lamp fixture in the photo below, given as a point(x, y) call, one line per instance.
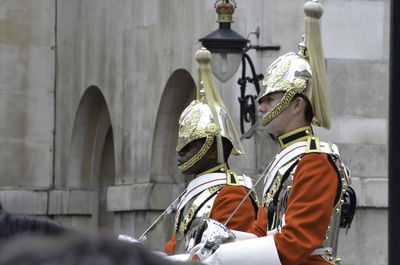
point(229, 50)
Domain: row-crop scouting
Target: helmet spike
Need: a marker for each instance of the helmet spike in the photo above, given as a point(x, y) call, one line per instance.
point(206, 83)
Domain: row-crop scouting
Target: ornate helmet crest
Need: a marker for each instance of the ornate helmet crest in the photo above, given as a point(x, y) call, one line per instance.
point(301, 73)
point(206, 117)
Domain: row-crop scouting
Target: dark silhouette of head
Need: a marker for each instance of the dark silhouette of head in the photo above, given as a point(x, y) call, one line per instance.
point(76, 249)
point(15, 224)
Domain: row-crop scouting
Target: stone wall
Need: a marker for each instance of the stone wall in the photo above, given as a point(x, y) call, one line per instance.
point(92, 91)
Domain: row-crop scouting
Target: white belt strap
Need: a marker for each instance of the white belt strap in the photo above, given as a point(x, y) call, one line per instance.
point(206, 181)
point(290, 153)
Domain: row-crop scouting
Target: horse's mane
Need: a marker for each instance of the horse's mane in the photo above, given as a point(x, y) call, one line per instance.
point(12, 224)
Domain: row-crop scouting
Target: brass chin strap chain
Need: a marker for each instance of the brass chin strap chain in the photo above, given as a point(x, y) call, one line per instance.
point(193, 160)
point(287, 98)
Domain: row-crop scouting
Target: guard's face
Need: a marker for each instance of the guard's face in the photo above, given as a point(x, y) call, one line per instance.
point(188, 152)
point(268, 102)
point(277, 125)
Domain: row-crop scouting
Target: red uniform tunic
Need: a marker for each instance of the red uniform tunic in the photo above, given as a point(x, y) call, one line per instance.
point(308, 212)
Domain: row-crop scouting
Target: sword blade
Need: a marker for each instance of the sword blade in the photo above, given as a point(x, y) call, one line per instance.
point(159, 220)
point(248, 193)
point(162, 217)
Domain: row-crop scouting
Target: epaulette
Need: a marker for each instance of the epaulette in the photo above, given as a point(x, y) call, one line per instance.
point(232, 178)
point(313, 145)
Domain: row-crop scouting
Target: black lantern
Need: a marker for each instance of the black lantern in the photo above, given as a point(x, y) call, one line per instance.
point(226, 45)
point(229, 50)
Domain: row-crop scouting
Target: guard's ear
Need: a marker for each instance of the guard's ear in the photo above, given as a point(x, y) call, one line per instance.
point(298, 105)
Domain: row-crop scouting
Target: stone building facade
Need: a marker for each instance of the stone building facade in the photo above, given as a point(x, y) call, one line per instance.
point(91, 92)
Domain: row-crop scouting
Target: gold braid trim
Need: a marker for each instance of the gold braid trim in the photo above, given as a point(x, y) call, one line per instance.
point(195, 207)
point(194, 159)
point(285, 101)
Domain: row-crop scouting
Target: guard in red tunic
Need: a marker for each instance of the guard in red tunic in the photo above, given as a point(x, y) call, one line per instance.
point(206, 138)
point(306, 184)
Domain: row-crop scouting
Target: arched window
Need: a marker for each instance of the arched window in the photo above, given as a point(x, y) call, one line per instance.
point(92, 160)
point(178, 93)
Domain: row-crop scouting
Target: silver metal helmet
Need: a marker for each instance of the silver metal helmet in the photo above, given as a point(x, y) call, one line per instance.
point(291, 74)
point(197, 122)
point(289, 71)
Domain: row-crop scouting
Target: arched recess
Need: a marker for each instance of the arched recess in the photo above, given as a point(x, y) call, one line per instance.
point(178, 93)
point(92, 160)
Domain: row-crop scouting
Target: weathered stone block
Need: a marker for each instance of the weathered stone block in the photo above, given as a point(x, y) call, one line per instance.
point(132, 197)
point(365, 160)
point(27, 164)
point(24, 23)
point(371, 192)
point(358, 87)
point(146, 196)
point(347, 27)
point(26, 87)
point(71, 202)
point(79, 222)
point(366, 240)
point(24, 201)
point(352, 130)
point(274, 29)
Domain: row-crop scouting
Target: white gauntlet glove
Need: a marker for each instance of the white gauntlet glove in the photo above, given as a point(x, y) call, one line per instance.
point(213, 236)
point(129, 239)
point(257, 251)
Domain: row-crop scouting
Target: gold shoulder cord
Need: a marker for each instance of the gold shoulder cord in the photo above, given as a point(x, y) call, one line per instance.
point(197, 203)
point(276, 183)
